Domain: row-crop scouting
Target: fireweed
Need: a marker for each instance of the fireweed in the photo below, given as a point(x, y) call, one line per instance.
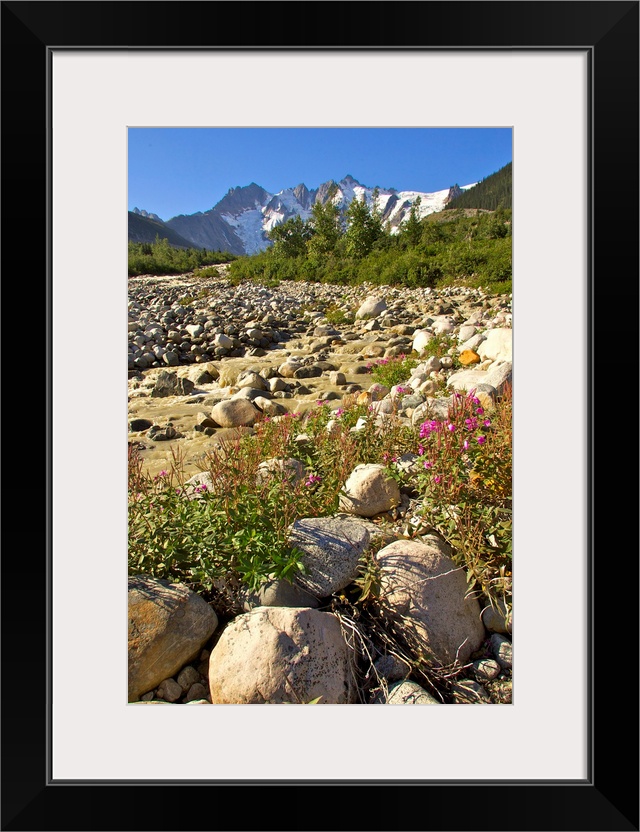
point(465, 482)
point(235, 526)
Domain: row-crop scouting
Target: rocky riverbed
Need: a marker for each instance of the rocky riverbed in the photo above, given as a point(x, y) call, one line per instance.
point(207, 359)
point(280, 335)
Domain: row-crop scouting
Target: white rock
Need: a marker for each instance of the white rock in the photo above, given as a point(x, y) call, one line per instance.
point(498, 376)
point(427, 594)
point(235, 413)
point(497, 345)
point(421, 338)
point(369, 490)
point(443, 324)
point(371, 307)
point(282, 654)
point(223, 341)
point(466, 332)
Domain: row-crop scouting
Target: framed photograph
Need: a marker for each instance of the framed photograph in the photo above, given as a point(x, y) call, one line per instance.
point(564, 78)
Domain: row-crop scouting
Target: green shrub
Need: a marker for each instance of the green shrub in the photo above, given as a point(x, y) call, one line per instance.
point(392, 371)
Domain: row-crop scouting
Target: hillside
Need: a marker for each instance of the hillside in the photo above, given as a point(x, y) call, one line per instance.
point(145, 230)
point(490, 193)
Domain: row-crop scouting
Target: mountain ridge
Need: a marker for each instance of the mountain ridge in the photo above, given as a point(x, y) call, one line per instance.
point(240, 221)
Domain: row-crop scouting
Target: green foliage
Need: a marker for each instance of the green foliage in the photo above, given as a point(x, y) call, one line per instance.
point(369, 580)
point(290, 238)
point(392, 371)
point(411, 230)
point(236, 529)
point(325, 227)
point(160, 257)
point(450, 249)
point(439, 345)
point(203, 534)
point(363, 229)
point(337, 316)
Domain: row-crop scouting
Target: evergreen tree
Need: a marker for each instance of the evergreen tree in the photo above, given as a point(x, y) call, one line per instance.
point(412, 229)
point(325, 226)
point(290, 238)
point(362, 229)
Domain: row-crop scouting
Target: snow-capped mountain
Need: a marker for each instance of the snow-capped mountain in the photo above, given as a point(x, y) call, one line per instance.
point(240, 221)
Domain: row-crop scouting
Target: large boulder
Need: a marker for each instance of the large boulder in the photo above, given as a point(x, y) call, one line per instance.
point(369, 490)
point(421, 337)
point(282, 654)
point(289, 368)
point(443, 324)
point(498, 376)
point(235, 413)
point(371, 307)
point(426, 595)
point(331, 549)
point(253, 380)
point(168, 626)
point(497, 345)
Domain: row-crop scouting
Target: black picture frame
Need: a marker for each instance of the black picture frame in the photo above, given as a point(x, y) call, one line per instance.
point(608, 799)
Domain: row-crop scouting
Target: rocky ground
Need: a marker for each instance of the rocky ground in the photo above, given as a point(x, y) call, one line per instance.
point(206, 358)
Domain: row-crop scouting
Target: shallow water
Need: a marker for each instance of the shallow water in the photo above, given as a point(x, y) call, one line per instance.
point(181, 411)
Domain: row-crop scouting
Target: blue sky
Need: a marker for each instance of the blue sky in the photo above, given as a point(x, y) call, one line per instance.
point(179, 170)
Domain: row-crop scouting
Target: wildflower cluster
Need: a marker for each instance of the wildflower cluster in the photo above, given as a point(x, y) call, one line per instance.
point(466, 486)
point(239, 523)
point(451, 445)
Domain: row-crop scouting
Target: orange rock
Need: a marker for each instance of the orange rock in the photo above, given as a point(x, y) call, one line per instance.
point(468, 357)
point(364, 398)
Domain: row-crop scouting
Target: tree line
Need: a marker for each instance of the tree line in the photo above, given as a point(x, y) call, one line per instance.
point(160, 257)
point(356, 246)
